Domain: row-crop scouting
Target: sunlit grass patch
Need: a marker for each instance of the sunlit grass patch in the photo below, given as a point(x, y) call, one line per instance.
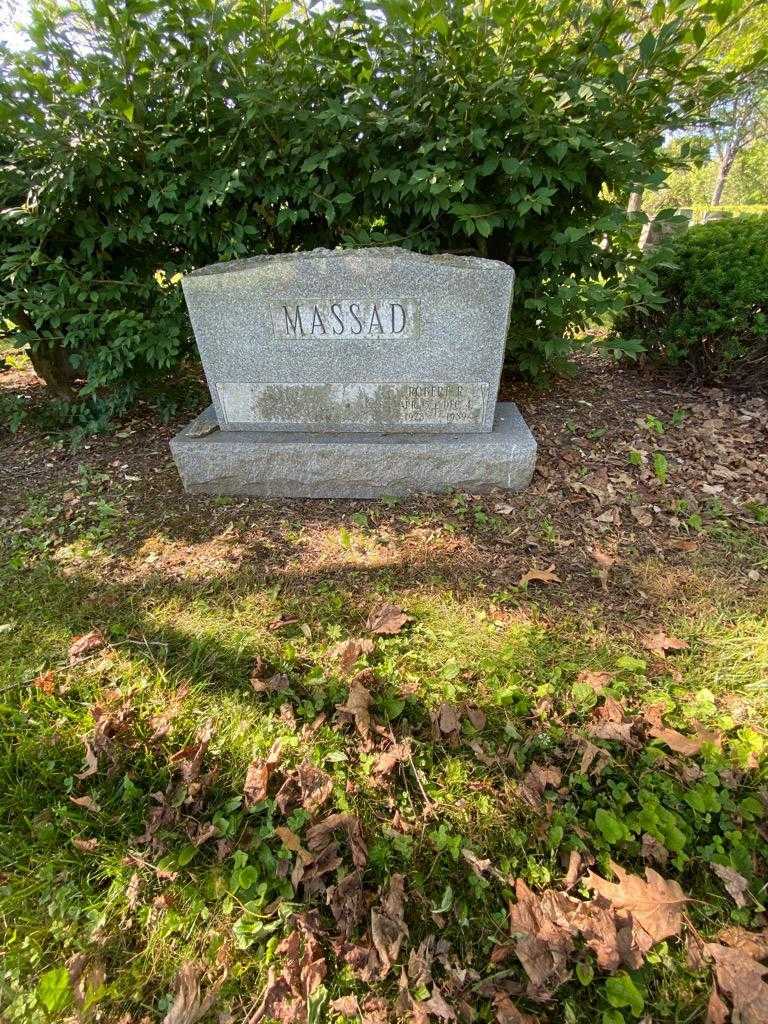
point(77, 879)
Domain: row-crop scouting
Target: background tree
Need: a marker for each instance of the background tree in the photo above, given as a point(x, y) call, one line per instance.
point(738, 121)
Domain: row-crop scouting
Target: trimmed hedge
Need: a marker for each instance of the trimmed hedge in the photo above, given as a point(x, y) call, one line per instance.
point(139, 140)
point(714, 321)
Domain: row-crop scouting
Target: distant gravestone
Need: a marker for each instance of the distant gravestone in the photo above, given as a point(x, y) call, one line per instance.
point(352, 374)
point(656, 232)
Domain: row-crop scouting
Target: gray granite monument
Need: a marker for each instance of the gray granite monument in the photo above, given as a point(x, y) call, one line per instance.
point(353, 374)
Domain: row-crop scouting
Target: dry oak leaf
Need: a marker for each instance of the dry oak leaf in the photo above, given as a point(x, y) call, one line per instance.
point(539, 576)
point(610, 723)
point(506, 1011)
point(541, 945)
point(538, 778)
point(597, 680)
point(258, 775)
point(84, 645)
point(389, 759)
point(446, 719)
point(307, 787)
point(752, 944)
point(346, 1005)
point(655, 904)
point(387, 619)
point(681, 744)
point(85, 845)
point(91, 761)
point(602, 557)
point(348, 651)
point(735, 884)
point(388, 927)
point(652, 849)
point(717, 1010)
point(292, 842)
point(357, 706)
point(87, 802)
point(741, 978)
point(190, 1004)
point(660, 644)
point(319, 836)
point(347, 902)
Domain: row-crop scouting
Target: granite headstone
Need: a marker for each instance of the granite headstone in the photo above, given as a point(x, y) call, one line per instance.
point(352, 373)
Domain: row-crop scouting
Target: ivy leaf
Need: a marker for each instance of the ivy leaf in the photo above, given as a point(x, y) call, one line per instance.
point(621, 991)
point(54, 991)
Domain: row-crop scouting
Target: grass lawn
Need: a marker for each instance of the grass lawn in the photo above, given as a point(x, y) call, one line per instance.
point(168, 785)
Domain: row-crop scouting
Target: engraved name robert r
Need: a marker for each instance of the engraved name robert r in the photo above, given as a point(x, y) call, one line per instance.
point(385, 319)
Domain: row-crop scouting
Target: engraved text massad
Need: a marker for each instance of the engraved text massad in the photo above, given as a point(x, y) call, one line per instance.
point(384, 319)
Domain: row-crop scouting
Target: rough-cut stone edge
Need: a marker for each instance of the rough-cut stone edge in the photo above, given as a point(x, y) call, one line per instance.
point(272, 465)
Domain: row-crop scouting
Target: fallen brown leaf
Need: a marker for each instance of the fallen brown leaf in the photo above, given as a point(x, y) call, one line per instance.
point(292, 842)
point(389, 759)
point(190, 1004)
point(446, 719)
point(84, 645)
point(507, 1012)
point(346, 1005)
point(436, 1006)
point(318, 836)
point(258, 775)
point(752, 944)
point(539, 576)
point(741, 978)
point(190, 758)
point(91, 761)
point(306, 786)
point(655, 904)
point(541, 945)
point(609, 722)
point(357, 707)
point(387, 619)
point(347, 902)
point(597, 680)
point(388, 927)
point(87, 802)
point(538, 778)
point(85, 845)
point(735, 884)
point(348, 651)
point(660, 644)
point(717, 1010)
point(677, 741)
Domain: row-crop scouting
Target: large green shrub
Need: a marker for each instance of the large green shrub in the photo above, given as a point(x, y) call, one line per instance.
point(714, 321)
point(147, 138)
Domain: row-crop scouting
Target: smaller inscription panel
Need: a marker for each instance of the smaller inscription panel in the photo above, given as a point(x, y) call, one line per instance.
point(345, 319)
point(426, 406)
